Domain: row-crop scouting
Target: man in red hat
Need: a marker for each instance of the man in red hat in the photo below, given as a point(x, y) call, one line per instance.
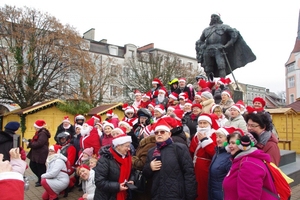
point(65, 126)
point(202, 149)
point(161, 98)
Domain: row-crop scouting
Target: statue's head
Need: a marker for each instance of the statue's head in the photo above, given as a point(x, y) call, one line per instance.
point(215, 19)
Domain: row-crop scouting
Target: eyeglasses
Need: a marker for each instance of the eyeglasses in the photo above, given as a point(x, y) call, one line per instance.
point(218, 111)
point(161, 132)
point(252, 125)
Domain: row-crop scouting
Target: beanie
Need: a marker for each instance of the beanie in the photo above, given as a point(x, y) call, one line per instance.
point(12, 126)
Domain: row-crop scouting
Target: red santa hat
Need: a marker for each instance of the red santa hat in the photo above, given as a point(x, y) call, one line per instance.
point(136, 92)
point(171, 108)
point(241, 103)
point(160, 108)
point(125, 105)
point(261, 100)
point(188, 103)
point(147, 95)
point(148, 130)
point(223, 81)
point(100, 124)
point(97, 117)
point(109, 113)
point(227, 93)
point(213, 107)
point(66, 119)
point(178, 114)
point(226, 130)
point(157, 81)
point(209, 119)
point(108, 124)
point(55, 148)
point(184, 96)
point(173, 95)
point(202, 83)
point(198, 94)
point(152, 104)
point(122, 129)
point(126, 124)
point(182, 79)
point(197, 105)
point(39, 124)
point(237, 107)
point(161, 124)
point(91, 122)
point(171, 121)
point(129, 109)
point(121, 139)
point(163, 90)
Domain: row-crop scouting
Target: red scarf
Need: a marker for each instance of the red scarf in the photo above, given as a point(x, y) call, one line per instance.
point(35, 137)
point(251, 109)
point(125, 170)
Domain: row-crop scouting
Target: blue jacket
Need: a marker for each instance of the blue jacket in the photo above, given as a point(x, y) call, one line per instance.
point(218, 169)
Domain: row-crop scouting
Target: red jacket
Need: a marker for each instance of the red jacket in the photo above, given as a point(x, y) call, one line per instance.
point(12, 184)
point(202, 156)
point(92, 140)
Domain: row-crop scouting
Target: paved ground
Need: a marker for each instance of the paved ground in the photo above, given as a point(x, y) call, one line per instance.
point(35, 193)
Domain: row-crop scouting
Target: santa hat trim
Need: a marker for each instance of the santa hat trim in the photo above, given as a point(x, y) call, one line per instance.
point(162, 127)
point(205, 118)
point(121, 140)
point(236, 107)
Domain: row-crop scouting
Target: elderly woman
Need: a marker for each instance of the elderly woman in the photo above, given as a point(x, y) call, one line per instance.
point(259, 123)
point(226, 103)
point(38, 150)
point(202, 151)
point(207, 102)
point(191, 120)
point(249, 177)
point(220, 165)
point(236, 119)
point(56, 178)
point(88, 183)
point(113, 169)
point(130, 132)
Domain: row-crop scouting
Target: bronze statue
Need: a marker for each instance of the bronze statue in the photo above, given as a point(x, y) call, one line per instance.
point(221, 49)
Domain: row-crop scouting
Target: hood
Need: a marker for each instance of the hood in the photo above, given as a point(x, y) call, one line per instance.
point(104, 151)
point(147, 140)
point(255, 153)
point(177, 131)
point(208, 101)
point(5, 136)
point(45, 131)
point(59, 156)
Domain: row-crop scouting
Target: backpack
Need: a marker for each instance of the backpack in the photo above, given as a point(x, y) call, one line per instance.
point(282, 186)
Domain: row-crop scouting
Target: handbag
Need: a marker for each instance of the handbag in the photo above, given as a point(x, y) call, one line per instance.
point(139, 180)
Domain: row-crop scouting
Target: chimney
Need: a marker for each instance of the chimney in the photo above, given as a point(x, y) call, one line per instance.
point(90, 34)
point(267, 90)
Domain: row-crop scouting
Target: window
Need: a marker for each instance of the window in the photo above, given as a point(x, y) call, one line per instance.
point(130, 53)
point(290, 67)
point(113, 91)
point(292, 98)
point(291, 82)
point(114, 51)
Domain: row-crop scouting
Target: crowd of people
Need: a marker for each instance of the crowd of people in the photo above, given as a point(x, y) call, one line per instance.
point(188, 145)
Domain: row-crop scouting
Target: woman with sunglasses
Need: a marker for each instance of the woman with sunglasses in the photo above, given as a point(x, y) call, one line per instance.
point(170, 167)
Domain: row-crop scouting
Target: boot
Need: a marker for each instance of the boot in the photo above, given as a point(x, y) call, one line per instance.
point(66, 192)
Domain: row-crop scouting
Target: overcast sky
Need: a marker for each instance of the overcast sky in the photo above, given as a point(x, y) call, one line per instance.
point(268, 27)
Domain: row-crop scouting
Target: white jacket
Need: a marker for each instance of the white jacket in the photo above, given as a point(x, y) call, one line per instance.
point(89, 186)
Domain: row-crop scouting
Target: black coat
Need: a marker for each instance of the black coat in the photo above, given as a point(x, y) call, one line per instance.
point(61, 129)
point(178, 135)
point(176, 179)
point(218, 94)
point(6, 143)
point(107, 173)
point(185, 89)
point(190, 123)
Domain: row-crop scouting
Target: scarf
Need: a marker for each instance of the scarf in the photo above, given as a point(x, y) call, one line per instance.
point(159, 146)
point(49, 158)
point(193, 116)
point(35, 137)
point(125, 170)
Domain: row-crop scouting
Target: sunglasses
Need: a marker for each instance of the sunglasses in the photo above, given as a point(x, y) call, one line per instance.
point(161, 132)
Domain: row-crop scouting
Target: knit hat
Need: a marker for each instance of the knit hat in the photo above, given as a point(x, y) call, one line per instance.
point(160, 108)
point(12, 126)
point(108, 124)
point(202, 83)
point(97, 117)
point(136, 92)
point(207, 95)
point(173, 95)
point(89, 151)
point(122, 129)
point(261, 100)
point(227, 92)
point(121, 139)
point(182, 79)
point(90, 122)
point(109, 113)
point(66, 119)
point(161, 124)
point(198, 94)
point(55, 148)
point(197, 105)
point(209, 119)
point(126, 124)
point(241, 103)
point(236, 106)
point(171, 121)
point(39, 124)
point(83, 166)
point(244, 143)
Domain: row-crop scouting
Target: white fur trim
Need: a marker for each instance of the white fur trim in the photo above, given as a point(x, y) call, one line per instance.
point(197, 95)
point(108, 124)
point(125, 124)
point(160, 90)
point(118, 129)
point(129, 110)
point(172, 96)
point(227, 148)
point(96, 118)
point(162, 127)
point(181, 80)
point(235, 107)
point(121, 140)
point(109, 115)
point(36, 126)
point(171, 108)
point(11, 175)
point(155, 82)
point(138, 94)
point(206, 142)
point(222, 130)
point(189, 104)
point(225, 92)
point(205, 118)
point(66, 120)
point(160, 110)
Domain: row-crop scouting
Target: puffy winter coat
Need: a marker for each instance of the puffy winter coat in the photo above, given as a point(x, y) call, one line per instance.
point(107, 173)
point(178, 135)
point(237, 122)
point(225, 106)
point(176, 178)
point(89, 186)
point(218, 169)
point(55, 177)
point(247, 176)
point(206, 105)
point(39, 147)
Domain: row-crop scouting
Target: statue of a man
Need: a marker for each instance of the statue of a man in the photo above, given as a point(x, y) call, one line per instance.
point(216, 41)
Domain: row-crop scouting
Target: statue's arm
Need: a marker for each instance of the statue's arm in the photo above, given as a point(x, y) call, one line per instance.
point(233, 33)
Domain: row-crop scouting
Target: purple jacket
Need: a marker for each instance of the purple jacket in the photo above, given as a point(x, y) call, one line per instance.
point(247, 176)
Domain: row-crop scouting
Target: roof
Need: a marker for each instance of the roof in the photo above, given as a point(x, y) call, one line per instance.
point(37, 107)
point(295, 106)
point(102, 109)
point(281, 111)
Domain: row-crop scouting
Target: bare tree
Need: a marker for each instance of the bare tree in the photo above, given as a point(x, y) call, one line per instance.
point(138, 73)
point(37, 54)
